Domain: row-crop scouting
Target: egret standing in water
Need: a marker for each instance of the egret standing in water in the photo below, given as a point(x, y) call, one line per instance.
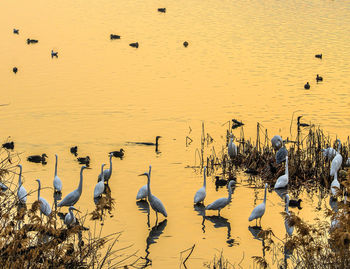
point(143, 192)
point(259, 210)
point(289, 229)
point(337, 161)
point(155, 203)
point(100, 186)
point(221, 202)
point(108, 172)
point(45, 207)
point(73, 197)
point(201, 193)
point(57, 183)
point(282, 181)
point(70, 218)
point(21, 192)
point(335, 185)
point(232, 148)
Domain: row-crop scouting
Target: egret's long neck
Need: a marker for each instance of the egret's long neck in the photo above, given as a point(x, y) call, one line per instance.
point(205, 178)
point(56, 167)
point(265, 194)
point(39, 187)
point(103, 178)
point(149, 186)
point(71, 213)
point(287, 166)
point(20, 177)
point(110, 164)
point(80, 188)
point(336, 176)
point(229, 192)
point(287, 204)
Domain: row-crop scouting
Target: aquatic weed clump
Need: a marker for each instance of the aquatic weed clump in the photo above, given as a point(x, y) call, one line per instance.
point(28, 240)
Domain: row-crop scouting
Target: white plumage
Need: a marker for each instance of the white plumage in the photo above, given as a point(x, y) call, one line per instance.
point(100, 186)
point(337, 161)
point(73, 197)
point(329, 153)
point(282, 181)
point(143, 191)
point(70, 218)
point(57, 183)
point(45, 207)
point(335, 183)
point(232, 148)
point(276, 142)
point(289, 229)
point(155, 203)
point(21, 192)
point(221, 202)
point(259, 210)
point(108, 172)
point(201, 193)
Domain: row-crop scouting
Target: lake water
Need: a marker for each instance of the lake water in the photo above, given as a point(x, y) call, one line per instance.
point(246, 59)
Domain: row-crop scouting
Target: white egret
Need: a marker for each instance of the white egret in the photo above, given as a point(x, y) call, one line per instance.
point(201, 193)
point(57, 183)
point(45, 207)
point(221, 202)
point(337, 161)
point(143, 191)
point(21, 192)
point(282, 181)
point(289, 229)
point(232, 148)
point(335, 185)
point(108, 172)
point(73, 197)
point(276, 142)
point(329, 153)
point(259, 210)
point(70, 219)
point(100, 186)
point(156, 204)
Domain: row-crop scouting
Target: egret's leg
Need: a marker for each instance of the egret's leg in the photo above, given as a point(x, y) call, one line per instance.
point(219, 212)
point(256, 222)
point(156, 217)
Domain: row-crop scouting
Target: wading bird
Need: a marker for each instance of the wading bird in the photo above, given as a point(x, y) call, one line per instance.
point(289, 229)
point(155, 203)
point(100, 186)
point(73, 197)
point(108, 172)
point(21, 192)
point(221, 202)
point(45, 207)
point(259, 210)
point(335, 185)
point(337, 161)
point(70, 219)
point(232, 148)
point(282, 181)
point(201, 193)
point(276, 142)
point(143, 191)
point(57, 183)
point(329, 153)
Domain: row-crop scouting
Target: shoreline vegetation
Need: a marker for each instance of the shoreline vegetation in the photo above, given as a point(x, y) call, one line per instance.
point(323, 244)
point(31, 240)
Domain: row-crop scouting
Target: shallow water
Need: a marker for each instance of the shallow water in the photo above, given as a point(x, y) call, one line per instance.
point(245, 60)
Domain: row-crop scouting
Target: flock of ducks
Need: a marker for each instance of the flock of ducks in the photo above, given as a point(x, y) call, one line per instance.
point(318, 77)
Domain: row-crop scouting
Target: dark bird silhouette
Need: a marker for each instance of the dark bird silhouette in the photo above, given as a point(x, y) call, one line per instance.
point(114, 36)
point(251, 171)
point(54, 54)
point(319, 78)
point(8, 145)
point(318, 56)
point(84, 160)
point(185, 44)
point(163, 10)
point(37, 158)
point(118, 154)
point(307, 86)
point(295, 203)
point(15, 70)
point(134, 45)
point(220, 182)
point(236, 123)
point(16, 31)
point(149, 143)
point(74, 150)
point(31, 41)
point(3, 187)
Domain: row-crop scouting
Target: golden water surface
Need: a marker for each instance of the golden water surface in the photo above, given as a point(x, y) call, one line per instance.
point(246, 59)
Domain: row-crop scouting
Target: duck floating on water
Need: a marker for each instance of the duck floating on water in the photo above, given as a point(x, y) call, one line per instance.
point(84, 160)
point(118, 154)
point(32, 41)
point(74, 150)
point(16, 31)
point(295, 203)
point(112, 36)
point(318, 56)
point(134, 45)
point(307, 86)
point(319, 78)
point(9, 145)
point(163, 10)
point(15, 70)
point(37, 158)
point(185, 44)
point(54, 54)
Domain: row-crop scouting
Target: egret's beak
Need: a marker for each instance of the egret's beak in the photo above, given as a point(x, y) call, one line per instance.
point(142, 174)
point(77, 210)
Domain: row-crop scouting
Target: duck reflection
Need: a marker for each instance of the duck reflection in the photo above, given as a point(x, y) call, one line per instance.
point(220, 222)
point(153, 235)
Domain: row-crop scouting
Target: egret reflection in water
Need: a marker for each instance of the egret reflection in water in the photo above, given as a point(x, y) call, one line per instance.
point(255, 231)
point(143, 206)
point(220, 222)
